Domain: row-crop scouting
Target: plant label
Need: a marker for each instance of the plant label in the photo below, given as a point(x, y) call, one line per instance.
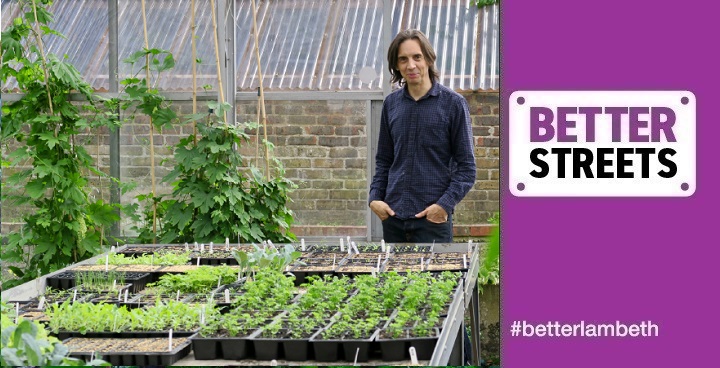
point(342, 245)
point(211, 247)
point(41, 303)
point(177, 296)
point(355, 248)
point(227, 295)
point(413, 356)
point(198, 261)
point(302, 245)
point(170, 340)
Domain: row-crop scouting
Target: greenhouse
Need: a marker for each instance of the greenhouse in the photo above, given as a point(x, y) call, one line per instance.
point(235, 141)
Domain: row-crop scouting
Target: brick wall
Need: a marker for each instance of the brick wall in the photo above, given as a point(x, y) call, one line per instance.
point(323, 145)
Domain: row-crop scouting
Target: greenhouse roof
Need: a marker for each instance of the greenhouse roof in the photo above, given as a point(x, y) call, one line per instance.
point(313, 45)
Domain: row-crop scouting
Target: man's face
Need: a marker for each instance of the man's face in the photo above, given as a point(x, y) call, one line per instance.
point(412, 64)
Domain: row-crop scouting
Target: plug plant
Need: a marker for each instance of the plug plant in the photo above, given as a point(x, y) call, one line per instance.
point(199, 281)
point(27, 343)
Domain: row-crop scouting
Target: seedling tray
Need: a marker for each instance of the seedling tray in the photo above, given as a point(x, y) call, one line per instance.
point(130, 351)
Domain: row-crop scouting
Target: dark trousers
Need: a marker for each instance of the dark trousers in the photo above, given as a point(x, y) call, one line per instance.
point(416, 230)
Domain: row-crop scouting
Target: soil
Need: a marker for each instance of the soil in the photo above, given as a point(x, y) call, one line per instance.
point(35, 316)
point(179, 268)
point(448, 264)
point(355, 269)
point(451, 255)
point(327, 268)
point(138, 268)
point(144, 345)
point(368, 256)
point(410, 255)
point(94, 268)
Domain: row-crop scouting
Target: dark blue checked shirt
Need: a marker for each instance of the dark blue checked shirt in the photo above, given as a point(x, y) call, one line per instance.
point(425, 152)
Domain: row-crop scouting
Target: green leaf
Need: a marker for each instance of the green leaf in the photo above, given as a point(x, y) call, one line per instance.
point(13, 49)
point(16, 271)
point(164, 117)
point(132, 59)
point(102, 214)
point(36, 188)
point(203, 227)
point(32, 351)
point(51, 140)
point(168, 63)
point(203, 201)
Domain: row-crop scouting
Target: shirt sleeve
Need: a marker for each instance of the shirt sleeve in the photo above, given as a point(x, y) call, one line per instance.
point(383, 159)
point(463, 154)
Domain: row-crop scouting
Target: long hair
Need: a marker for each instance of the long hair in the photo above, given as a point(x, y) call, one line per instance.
point(425, 46)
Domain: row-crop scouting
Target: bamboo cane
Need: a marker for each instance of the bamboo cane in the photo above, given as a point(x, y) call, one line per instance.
point(38, 39)
point(257, 135)
point(152, 129)
point(217, 57)
point(194, 68)
point(262, 94)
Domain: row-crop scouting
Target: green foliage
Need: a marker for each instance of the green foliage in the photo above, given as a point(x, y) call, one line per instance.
point(101, 317)
point(96, 281)
point(481, 3)
point(200, 280)
point(159, 259)
point(141, 95)
point(28, 344)
point(214, 198)
point(266, 257)
point(490, 267)
point(68, 225)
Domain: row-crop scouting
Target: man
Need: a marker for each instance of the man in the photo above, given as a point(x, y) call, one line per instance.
point(425, 161)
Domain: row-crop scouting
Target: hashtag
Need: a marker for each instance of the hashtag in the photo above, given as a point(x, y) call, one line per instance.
point(515, 328)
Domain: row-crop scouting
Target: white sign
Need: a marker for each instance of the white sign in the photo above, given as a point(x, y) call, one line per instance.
point(602, 143)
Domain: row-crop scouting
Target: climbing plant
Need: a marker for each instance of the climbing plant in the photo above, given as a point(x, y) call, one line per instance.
point(51, 167)
point(481, 3)
point(216, 196)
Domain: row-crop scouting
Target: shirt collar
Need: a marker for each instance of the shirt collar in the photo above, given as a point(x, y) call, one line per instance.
point(433, 91)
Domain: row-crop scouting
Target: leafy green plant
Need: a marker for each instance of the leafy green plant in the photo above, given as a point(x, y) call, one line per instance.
point(28, 344)
point(200, 280)
point(489, 272)
point(91, 317)
point(160, 259)
point(481, 3)
point(95, 281)
point(68, 224)
point(266, 257)
point(215, 198)
point(139, 95)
